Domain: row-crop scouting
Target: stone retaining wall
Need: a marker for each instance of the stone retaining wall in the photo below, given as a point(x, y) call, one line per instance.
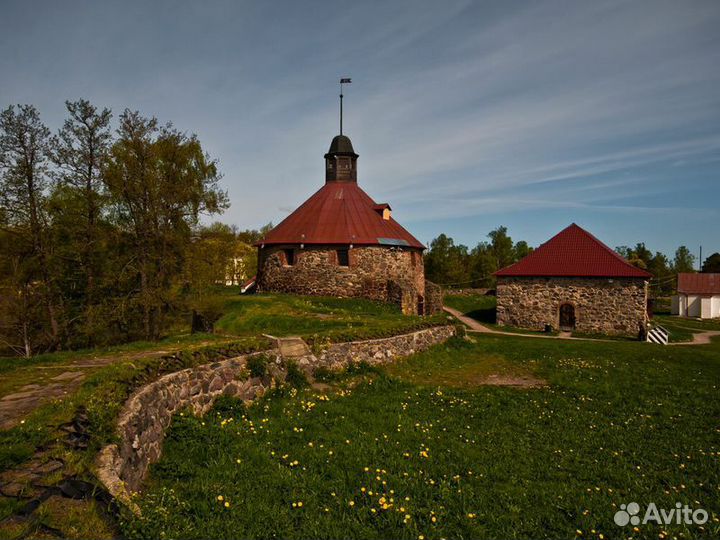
point(148, 412)
point(378, 351)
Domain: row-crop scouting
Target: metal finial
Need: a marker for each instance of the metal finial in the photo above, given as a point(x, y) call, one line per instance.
point(342, 81)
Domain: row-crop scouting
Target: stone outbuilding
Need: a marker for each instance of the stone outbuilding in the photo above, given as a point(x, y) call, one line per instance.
point(574, 282)
point(342, 243)
point(698, 296)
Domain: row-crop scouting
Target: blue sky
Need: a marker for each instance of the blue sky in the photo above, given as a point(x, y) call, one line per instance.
point(466, 115)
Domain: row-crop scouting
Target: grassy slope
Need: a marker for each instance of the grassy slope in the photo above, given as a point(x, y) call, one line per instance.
point(106, 387)
point(619, 422)
point(337, 319)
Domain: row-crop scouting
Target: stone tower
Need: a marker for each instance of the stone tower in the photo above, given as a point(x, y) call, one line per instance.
point(341, 243)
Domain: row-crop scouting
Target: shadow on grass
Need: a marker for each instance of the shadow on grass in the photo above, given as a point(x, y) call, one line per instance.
point(483, 315)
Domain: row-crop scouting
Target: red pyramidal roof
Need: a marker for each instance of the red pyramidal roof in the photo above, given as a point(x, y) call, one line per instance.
point(573, 252)
point(340, 213)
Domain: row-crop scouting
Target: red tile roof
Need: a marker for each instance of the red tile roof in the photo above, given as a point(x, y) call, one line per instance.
point(340, 213)
point(573, 252)
point(699, 283)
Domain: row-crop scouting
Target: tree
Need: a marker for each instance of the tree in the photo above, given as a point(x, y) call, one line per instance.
point(684, 260)
point(160, 182)
point(712, 264)
point(24, 152)
point(79, 151)
point(501, 247)
point(446, 263)
point(482, 265)
point(521, 250)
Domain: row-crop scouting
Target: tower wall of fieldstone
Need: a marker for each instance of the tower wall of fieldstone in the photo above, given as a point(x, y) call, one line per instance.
point(386, 274)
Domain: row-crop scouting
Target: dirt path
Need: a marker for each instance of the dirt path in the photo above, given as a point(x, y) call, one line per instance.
point(475, 326)
point(18, 404)
point(701, 338)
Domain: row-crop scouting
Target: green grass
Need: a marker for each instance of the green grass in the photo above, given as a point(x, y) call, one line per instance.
point(16, 372)
point(683, 329)
point(102, 394)
point(314, 318)
point(478, 307)
point(617, 422)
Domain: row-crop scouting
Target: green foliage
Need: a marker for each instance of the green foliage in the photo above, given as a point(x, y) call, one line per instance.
point(453, 265)
point(617, 422)
point(295, 376)
point(257, 365)
point(712, 264)
point(684, 260)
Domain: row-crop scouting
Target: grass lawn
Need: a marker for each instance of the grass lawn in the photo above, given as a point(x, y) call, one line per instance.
point(423, 449)
point(682, 329)
point(479, 307)
point(113, 372)
point(336, 319)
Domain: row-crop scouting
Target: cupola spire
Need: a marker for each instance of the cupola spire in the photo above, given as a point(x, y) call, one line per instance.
point(344, 80)
point(341, 159)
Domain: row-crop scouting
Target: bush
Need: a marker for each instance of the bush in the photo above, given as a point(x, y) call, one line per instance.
point(258, 365)
point(295, 376)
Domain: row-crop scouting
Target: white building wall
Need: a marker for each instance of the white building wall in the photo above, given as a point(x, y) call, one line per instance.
point(715, 306)
point(705, 305)
point(675, 305)
point(693, 305)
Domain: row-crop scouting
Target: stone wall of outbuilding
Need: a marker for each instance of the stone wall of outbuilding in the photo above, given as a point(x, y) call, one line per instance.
point(383, 273)
point(148, 412)
point(613, 306)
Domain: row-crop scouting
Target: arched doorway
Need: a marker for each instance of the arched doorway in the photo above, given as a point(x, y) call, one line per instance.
point(567, 317)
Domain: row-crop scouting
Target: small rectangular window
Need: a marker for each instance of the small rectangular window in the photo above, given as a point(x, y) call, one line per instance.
point(343, 257)
point(289, 257)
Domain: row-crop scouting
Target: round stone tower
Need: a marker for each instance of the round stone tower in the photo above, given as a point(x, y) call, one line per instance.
point(341, 243)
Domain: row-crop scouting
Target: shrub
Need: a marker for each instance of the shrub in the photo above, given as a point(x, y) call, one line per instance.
point(258, 365)
point(295, 376)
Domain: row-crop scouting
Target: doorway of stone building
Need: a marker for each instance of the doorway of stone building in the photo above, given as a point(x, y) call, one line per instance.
point(567, 317)
point(420, 305)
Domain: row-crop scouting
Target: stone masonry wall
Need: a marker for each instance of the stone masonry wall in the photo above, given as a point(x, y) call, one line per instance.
point(607, 306)
point(148, 412)
point(385, 274)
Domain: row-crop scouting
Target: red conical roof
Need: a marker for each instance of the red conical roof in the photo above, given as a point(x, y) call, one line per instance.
point(340, 213)
point(573, 252)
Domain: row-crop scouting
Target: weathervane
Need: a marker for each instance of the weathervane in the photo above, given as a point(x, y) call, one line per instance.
point(342, 81)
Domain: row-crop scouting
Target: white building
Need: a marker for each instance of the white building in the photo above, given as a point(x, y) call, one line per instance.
point(698, 296)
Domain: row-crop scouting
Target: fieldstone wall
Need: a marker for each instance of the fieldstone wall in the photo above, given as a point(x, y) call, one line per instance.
point(378, 351)
point(148, 412)
point(385, 274)
point(615, 306)
point(433, 298)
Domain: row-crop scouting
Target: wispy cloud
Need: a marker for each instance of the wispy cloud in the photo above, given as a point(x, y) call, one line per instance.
point(458, 109)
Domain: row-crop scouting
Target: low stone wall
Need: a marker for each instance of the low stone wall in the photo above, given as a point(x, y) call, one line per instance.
point(378, 351)
point(148, 412)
